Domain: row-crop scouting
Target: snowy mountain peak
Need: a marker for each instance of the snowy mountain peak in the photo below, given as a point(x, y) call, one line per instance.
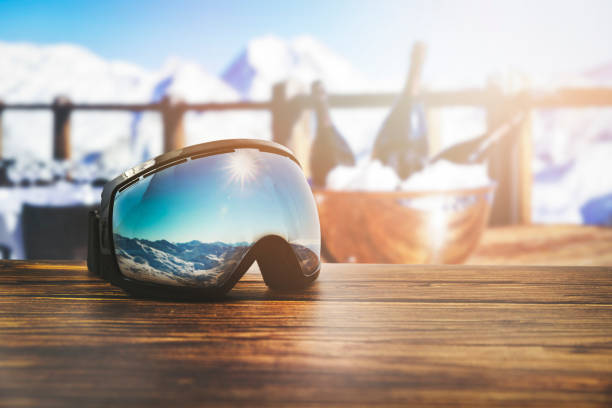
point(34, 73)
point(270, 59)
point(187, 80)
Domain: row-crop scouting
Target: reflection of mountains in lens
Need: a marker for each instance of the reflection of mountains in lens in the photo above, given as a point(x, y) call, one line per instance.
point(192, 263)
point(309, 261)
point(180, 264)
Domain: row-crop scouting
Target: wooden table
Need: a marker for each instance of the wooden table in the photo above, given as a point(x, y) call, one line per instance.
point(361, 335)
point(544, 245)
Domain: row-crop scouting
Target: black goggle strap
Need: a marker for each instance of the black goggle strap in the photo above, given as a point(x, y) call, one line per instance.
point(279, 265)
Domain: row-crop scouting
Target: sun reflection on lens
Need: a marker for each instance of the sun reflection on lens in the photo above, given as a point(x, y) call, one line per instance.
point(241, 167)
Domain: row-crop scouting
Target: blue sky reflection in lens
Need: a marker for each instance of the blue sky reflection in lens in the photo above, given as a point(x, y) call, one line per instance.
point(191, 224)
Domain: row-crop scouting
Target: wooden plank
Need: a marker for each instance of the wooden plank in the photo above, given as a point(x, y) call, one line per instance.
point(367, 335)
point(573, 98)
point(291, 120)
point(503, 163)
point(173, 111)
point(433, 119)
point(301, 134)
point(137, 107)
point(525, 171)
point(61, 128)
point(565, 97)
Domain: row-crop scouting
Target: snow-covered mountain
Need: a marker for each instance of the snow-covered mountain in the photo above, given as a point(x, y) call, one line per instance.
point(30, 73)
point(179, 264)
point(565, 145)
point(192, 263)
point(270, 59)
point(39, 73)
point(186, 80)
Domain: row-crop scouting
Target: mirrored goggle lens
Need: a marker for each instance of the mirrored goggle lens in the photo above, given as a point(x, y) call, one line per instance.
point(191, 224)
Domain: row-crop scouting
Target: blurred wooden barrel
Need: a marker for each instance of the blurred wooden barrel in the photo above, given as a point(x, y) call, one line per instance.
point(402, 227)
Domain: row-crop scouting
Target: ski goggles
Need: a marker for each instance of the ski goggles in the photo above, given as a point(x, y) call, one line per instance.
point(190, 223)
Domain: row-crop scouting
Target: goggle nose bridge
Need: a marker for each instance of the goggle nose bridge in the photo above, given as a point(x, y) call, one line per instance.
point(278, 264)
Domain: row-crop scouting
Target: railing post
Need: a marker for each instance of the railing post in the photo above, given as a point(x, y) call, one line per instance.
point(499, 161)
point(286, 110)
point(510, 161)
point(61, 128)
point(172, 110)
point(525, 176)
point(291, 121)
point(280, 126)
point(433, 119)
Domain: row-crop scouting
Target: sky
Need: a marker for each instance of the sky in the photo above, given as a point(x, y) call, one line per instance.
point(477, 38)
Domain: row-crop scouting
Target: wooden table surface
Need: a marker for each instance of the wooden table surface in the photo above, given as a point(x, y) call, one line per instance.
point(361, 335)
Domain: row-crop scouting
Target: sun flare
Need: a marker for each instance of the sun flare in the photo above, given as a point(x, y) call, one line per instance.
point(241, 167)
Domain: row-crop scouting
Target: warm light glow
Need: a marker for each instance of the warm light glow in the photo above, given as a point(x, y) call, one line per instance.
point(241, 167)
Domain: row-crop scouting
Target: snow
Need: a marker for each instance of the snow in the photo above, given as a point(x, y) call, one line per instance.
point(269, 59)
point(571, 147)
point(444, 175)
point(372, 175)
point(367, 175)
point(40, 73)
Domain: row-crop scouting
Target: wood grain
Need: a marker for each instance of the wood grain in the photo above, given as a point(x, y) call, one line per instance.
point(545, 245)
point(362, 335)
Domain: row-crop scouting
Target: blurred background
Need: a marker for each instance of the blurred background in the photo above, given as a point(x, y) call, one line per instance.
point(439, 131)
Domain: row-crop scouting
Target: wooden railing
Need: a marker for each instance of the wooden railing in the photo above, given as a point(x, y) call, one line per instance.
point(511, 166)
